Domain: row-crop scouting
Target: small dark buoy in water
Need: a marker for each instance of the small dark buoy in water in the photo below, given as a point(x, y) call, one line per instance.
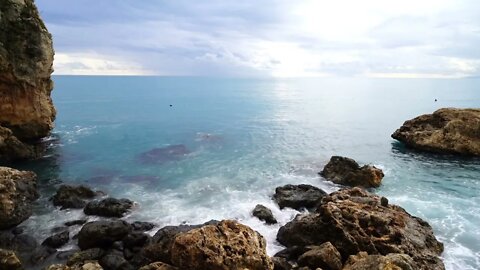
point(172, 105)
point(435, 101)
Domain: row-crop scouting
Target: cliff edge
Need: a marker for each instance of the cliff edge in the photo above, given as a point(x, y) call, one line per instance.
point(26, 58)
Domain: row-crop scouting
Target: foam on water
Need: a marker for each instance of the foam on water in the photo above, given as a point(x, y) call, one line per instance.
point(247, 137)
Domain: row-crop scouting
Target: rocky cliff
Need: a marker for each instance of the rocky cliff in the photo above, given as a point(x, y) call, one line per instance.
point(26, 58)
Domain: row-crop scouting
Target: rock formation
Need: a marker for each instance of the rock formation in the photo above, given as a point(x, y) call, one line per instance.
point(17, 192)
point(227, 245)
point(26, 58)
point(264, 214)
point(346, 171)
point(448, 130)
point(298, 196)
point(354, 220)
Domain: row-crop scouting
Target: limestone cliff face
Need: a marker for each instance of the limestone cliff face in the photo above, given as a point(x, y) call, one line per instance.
point(26, 58)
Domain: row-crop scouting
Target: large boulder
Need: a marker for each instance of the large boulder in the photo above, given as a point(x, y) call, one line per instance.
point(109, 207)
point(448, 130)
point(325, 256)
point(354, 220)
point(394, 261)
point(9, 260)
point(102, 233)
point(227, 245)
point(298, 196)
point(17, 192)
point(346, 171)
point(72, 196)
point(26, 58)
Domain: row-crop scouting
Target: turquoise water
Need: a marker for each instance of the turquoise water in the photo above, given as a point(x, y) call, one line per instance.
point(242, 138)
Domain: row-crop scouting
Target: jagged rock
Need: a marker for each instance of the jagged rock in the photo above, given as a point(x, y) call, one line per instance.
point(158, 266)
point(227, 245)
point(447, 130)
point(9, 260)
point(298, 196)
point(102, 233)
point(80, 257)
point(26, 58)
point(354, 220)
point(57, 240)
point(109, 207)
point(264, 214)
point(72, 196)
point(325, 256)
point(159, 249)
point(346, 171)
point(17, 192)
point(394, 261)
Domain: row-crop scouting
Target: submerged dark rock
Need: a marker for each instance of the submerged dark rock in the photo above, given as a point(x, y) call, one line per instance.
point(72, 196)
point(264, 214)
point(346, 171)
point(165, 154)
point(109, 207)
point(17, 192)
point(102, 233)
point(57, 240)
point(446, 131)
point(354, 220)
point(298, 196)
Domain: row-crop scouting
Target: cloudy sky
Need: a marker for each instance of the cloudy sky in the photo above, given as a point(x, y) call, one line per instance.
point(257, 38)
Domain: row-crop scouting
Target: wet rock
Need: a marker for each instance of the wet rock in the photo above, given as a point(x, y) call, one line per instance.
point(298, 196)
point(448, 130)
point(227, 245)
point(41, 254)
point(9, 260)
point(109, 207)
point(264, 214)
point(346, 171)
point(163, 155)
point(325, 256)
point(18, 230)
point(17, 192)
point(114, 260)
point(158, 266)
point(292, 253)
point(142, 226)
point(280, 263)
point(23, 243)
point(363, 261)
point(354, 220)
point(26, 57)
point(75, 222)
point(72, 196)
point(102, 233)
point(57, 240)
point(136, 239)
point(83, 256)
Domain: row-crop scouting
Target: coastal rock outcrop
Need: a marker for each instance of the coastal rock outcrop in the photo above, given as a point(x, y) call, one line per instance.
point(102, 233)
point(447, 130)
point(353, 220)
point(17, 192)
point(72, 196)
point(109, 207)
point(363, 261)
point(346, 171)
point(26, 58)
point(227, 245)
point(298, 196)
point(9, 260)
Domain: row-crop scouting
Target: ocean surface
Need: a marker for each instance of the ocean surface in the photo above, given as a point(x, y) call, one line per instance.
point(223, 145)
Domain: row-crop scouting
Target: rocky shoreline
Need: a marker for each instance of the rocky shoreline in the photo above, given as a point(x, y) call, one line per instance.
point(347, 229)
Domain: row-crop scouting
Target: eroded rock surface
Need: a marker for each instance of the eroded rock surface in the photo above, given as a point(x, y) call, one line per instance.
point(9, 260)
point(298, 196)
point(264, 214)
point(17, 192)
point(447, 130)
point(227, 245)
point(394, 261)
point(72, 196)
point(109, 207)
point(346, 171)
point(354, 220)
point(26, 58)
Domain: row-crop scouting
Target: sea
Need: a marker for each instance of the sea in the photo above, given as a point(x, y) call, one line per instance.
point(191, 149)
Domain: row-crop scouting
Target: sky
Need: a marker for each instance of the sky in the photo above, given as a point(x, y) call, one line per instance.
point(266, 38)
